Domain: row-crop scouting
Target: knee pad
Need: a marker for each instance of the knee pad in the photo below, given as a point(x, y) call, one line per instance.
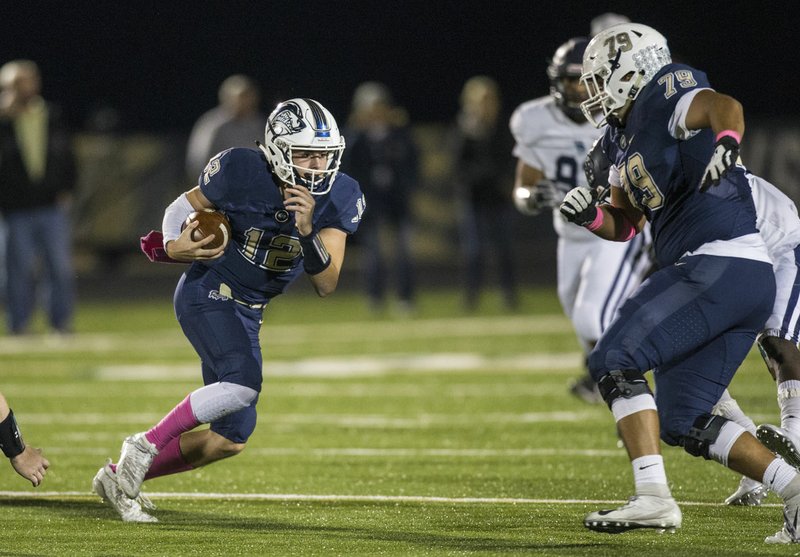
point(704, 432)
point(625, 383)
point(217, 400)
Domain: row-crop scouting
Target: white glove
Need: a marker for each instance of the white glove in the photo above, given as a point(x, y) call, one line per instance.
point(578, 206)
point(726, 153)
point(530, 200)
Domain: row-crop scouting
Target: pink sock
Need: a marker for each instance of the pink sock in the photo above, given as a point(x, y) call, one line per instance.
point(179, 420)
point(169, 460)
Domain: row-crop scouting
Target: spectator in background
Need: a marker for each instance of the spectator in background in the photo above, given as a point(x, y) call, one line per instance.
point(483, 170)
point(236, 122)
point(382, 156)
point(37, 179)
point(606, 20)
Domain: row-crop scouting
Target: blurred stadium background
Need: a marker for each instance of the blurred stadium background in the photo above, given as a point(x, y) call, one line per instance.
point(439, 435)
point(127, 179)
point(133, 79)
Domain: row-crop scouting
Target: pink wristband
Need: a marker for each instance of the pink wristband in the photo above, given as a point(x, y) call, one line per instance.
point(730, 133)
point(628, 231)
point(597, 222)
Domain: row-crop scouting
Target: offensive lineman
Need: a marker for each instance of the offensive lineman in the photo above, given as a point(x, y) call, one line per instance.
point(673, 144)
point(552, 140)
point(290, 211)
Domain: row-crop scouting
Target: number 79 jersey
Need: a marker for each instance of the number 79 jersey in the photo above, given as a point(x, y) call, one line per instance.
point(264, 254)
point(661, 165)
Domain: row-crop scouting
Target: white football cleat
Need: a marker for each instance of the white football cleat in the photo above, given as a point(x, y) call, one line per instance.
point(781, 536)
point(750, 493)
point(780, 442)
point(790, 533)
point(106, 486)
point(641, 511)
point(134, 461)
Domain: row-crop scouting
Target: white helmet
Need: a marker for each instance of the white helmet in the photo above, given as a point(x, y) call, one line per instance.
point(303, 125)
point(617, 64)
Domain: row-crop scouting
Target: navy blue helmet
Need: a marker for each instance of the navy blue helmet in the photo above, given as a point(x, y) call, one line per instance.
point(567, 63)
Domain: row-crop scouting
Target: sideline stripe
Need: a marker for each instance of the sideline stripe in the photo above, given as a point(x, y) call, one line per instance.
point(351, 498)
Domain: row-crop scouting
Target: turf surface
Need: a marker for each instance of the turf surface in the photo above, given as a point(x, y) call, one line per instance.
point(441, 433)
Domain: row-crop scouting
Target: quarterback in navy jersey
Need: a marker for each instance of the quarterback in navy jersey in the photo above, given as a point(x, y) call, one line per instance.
point(673, 144)
point(290, 212)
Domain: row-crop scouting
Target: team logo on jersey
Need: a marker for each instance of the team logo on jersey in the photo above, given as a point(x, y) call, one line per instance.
point(216, 295)
point(289, 120)
point(281, 215)
point(361, 206)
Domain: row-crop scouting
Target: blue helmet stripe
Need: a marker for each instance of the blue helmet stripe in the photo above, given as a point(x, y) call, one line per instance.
point(322, 128)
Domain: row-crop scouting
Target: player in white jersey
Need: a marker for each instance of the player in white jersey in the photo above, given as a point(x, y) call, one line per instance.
point(779, 226)
point(552, 141)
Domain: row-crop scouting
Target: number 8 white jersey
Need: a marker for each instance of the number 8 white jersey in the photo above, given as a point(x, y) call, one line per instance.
point(548, 140)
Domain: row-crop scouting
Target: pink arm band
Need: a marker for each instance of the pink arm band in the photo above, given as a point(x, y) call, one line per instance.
point(628, 230)
point(730, 133)
point(597, 222)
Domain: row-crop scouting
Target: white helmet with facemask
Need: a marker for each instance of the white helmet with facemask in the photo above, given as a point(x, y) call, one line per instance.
point(303, 125)
point(617, 64)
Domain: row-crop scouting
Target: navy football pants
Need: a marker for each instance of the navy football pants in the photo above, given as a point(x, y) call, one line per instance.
point(225, 335)
point(693, 324)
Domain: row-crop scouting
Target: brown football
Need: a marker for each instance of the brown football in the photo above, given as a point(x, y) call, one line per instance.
point(211, 222)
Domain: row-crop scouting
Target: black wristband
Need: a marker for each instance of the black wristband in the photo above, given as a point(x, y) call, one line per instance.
point(315, 257)
point(10, 437)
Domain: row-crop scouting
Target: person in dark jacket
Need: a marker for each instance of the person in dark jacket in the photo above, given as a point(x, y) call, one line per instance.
point(37, 178)
point(383, 157)
point(483, 170)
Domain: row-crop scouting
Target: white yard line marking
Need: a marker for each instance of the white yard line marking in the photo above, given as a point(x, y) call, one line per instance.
point(364, 366)
point(420, 420)
point(348, 332)
point(368, 452)
point(290, 497)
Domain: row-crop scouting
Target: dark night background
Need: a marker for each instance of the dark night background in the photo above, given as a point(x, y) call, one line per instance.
point(160, 63)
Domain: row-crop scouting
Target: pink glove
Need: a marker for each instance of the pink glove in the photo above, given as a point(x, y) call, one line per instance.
point(153, 247)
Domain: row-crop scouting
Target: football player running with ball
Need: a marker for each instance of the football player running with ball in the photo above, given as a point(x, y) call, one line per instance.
point(552, 140)
point(290, 212)
point(673, 143)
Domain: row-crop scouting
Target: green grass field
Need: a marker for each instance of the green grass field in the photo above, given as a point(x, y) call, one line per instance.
point(441, 434)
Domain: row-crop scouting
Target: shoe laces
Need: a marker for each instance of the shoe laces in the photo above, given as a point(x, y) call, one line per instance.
point(145, 502)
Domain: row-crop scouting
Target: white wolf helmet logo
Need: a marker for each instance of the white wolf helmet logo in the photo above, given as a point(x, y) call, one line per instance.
point(288, 120)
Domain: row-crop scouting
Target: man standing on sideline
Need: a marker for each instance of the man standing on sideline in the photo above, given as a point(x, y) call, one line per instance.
point(236, 122)
point(37, 178)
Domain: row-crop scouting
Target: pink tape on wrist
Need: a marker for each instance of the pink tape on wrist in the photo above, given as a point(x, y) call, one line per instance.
point(597, 222)
point(731, 133)
point(628, 231)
